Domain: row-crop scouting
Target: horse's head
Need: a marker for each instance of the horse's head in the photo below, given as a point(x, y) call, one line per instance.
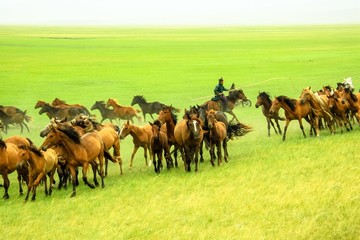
point(275, 106)
point(97, 105)
point(262, 99)
point(52, 138)
point(125, 130)
point(155, 128)
point(57, 102)
point(194, 125)
point(211, 119)
point(166, 115)
point(306, 95)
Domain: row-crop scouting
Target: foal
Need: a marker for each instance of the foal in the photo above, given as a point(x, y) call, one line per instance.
point(159, 143)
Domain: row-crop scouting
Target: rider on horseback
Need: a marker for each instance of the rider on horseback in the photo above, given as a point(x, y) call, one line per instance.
point(219, 94)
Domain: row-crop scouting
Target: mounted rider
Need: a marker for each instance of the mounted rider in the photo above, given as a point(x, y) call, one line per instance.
point(219, 95)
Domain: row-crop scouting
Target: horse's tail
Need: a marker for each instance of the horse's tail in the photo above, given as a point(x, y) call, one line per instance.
point(108, 155)
point(27, 117)
point(239, 130)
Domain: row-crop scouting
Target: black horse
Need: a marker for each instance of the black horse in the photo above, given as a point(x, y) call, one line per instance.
point(149, 107)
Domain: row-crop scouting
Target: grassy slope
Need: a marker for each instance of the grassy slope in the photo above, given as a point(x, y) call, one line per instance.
point(301, 188)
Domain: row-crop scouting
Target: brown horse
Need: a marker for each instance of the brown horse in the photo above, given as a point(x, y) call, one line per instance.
point(232, 98)
point(124, 112)
point(9, 162)
point(189, 135)
point(81, 151)
point(294, 110)
point(108, 133)
point(159, 144)
point(106, 113)
point(80, 108)
point(263, 100)
point(217, 135)
point(339, 109)
point(141, 138)
point(10, 116)
point(354, 103)
point(319, 104)
point(40, 164)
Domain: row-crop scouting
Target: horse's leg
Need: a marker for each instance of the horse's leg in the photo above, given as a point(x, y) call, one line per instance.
point(133, 154)
point(196, 158)
point(6, 185)
point(160, 161)
point(84, 172)
point(285, 128)
point(218, 152)
point(272, 124)
point(95, 169)
point(268, 126)
point(101, 163)
point(234, 116)
point(73, 179)
point(45, 183)
point(52, 173)
point(19, 177)
point(116, 147)
point(201, 151)
point(26, 126)
point(212, 149)
point(278, 125)
point(106, 165)
point(302, 127)
point(224, 143)
point(154, 162)
point(30, 184)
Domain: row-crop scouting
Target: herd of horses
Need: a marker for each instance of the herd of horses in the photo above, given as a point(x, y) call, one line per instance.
point(73, 138)
point(327, 108)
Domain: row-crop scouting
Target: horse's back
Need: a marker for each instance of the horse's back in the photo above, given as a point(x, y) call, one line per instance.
point(93, 144)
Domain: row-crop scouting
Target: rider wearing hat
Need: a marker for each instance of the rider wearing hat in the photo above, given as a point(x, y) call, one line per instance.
point(219, 94)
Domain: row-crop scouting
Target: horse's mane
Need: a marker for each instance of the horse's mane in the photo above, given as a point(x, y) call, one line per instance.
point(71, 133)
point(288, 101)
point(353, 96)
point(140, 98)
point(174, 117)
point(36, 151)
point(2, 143)
point(265, 96)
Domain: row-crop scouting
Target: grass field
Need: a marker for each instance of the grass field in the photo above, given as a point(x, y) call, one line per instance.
point(297, 189)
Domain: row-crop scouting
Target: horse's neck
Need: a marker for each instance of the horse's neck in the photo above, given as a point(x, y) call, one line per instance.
point(267, 105)
point(136, 131)
point(72, 148)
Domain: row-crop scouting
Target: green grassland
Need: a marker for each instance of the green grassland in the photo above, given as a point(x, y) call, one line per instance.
point(270, 189)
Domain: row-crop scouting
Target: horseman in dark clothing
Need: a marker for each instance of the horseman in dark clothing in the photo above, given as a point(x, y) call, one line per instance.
point(219, 94)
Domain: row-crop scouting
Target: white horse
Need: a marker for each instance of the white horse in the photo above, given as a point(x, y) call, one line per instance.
point(348, 84)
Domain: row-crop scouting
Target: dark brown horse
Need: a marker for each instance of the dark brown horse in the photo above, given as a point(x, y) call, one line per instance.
point(232, 98)
point(263, 100)
point(339, 108)
point(81, 150)
point(217, 136)
point(294, 110)
point(159, 144)
point(9, 116)
point(189, 135)
point(77, 107)
point(147, 107)
point(124, 112)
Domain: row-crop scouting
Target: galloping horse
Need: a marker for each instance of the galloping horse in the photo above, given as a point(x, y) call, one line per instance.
point(319, 104)
point(82, 151)
point(159, 144)
point(78, 107)
point(147, 107)
point(232, 98)
point(339, 110)
point(169, 120)
point(263, 100)
point(58, 112)
point(189, 135)
point(106, 113)
point(9, 162)
point(141, 138)
point(294, 110)
point(40, 164)
point(123, 112)
point(19, 118)
point(217, 135)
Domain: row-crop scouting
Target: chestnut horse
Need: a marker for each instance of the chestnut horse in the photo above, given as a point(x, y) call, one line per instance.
point(339, 109)
point(189, 135)
point(217, 136)
point(141, 138)
point(9, 162)
point(124, 112)
point(159, 144)
point(232, 98)
point(81, 151)
point(294, 110)
point(263, 100)
point(40, 164)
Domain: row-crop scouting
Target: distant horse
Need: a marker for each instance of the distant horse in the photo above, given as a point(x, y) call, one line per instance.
point(294, 110)
point(40, 164)
point(159, 144)
point(320, 107)
point(232, 98)
point(9, 162)
point(40, 104)
point(354, 102)
point(189, 135)
point(17, 118)
point(123, 112)
point(141, 138)
point(58, 112)
point(79, 108)
point(263, 100)
point(82, 151)
point(147, 107)
point(106, 113)
point(217, 132)
point(169, 119)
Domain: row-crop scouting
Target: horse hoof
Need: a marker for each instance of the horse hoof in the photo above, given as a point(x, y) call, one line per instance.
point(6, 196)
point(73, 194)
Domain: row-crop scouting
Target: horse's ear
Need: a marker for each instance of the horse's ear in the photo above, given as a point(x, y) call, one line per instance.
point(127, 122)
